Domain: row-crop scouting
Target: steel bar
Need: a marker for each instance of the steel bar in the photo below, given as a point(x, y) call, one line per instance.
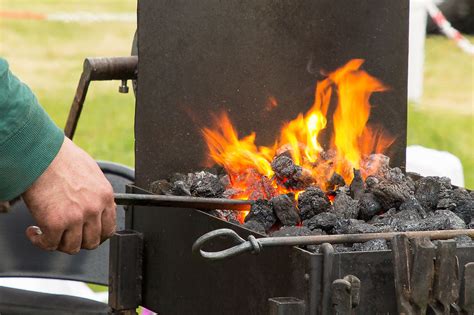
point(422, 273)
point(446, 282)
point(255, 245)
point(183, 202)
point(402, 265)
point(328, 263)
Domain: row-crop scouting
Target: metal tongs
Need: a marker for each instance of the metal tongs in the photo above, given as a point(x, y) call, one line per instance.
point(255, 245)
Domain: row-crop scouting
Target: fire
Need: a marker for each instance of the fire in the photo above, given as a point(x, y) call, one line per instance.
point(249, 166)
point(352, 113)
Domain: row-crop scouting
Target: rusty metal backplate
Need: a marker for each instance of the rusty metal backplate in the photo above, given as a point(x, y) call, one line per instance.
point(202, 57)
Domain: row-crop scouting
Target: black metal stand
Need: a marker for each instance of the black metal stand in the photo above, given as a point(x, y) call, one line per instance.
point(125, 272)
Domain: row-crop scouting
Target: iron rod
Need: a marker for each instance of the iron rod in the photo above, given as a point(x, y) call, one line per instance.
point(255, 245)
point(183, 202)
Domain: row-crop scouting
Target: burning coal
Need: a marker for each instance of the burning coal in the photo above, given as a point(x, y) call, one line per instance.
point(303, 188)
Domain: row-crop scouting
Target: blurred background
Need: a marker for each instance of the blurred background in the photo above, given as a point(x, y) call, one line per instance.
point(46, 41)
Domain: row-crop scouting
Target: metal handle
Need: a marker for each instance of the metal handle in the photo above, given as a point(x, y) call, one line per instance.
point(98, 69)
point(243, 246)
point(256, 245)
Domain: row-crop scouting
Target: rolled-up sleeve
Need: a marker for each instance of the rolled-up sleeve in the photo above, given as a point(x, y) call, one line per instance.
point(29, 139)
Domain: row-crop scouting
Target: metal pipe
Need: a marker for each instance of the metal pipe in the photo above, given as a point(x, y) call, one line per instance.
point(183, 202)
point(98, 69)
point(328, 263)
point(256, 245)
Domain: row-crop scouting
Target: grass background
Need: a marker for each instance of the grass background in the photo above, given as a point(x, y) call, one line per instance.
point(48, 56)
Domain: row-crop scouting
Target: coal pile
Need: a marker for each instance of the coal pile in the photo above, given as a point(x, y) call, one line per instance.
point(386, 201)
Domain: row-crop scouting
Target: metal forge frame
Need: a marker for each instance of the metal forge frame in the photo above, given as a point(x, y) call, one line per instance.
point(203, 56)
point(284, 280)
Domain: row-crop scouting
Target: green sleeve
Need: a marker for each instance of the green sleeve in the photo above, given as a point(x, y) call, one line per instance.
point(29, 140)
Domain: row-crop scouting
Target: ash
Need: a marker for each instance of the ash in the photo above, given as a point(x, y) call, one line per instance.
point(386, 201)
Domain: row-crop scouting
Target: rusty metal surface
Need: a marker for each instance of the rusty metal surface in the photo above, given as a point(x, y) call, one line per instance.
point(345, 295)
point(327, 276)
point(446, 283)
point(422, 274)
point(98, 69)
point(199, 57)
point(401, 271)
point(125, 271)
point(468, 298)
point(428, 279)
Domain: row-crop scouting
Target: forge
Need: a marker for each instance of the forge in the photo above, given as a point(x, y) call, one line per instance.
point(262, 92)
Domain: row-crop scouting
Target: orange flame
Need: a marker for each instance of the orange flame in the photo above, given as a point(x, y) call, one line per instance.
point(352, 139)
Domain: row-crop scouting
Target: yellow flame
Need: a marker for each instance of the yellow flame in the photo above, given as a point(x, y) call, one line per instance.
point(351, 138)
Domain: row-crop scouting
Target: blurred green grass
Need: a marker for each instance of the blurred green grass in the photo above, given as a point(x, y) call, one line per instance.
point(444, 119)
point(444, 130)
point(448, 77)
point(48, 56)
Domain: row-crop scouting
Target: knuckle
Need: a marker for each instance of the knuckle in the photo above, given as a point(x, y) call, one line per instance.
point(107, 192)
point(56, 225)
point(70, 251)
point(93, 210)
point(75, 218)
point(50, 248)
point(91, 245)
point(109, 232)
point(47, 245)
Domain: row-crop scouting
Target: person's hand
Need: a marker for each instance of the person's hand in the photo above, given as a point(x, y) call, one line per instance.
point(72, 203)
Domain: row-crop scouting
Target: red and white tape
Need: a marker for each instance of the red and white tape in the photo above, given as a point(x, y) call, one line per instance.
point(445, 27)
point(70, 17)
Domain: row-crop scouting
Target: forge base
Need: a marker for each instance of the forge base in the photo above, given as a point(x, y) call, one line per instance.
point(177, 282)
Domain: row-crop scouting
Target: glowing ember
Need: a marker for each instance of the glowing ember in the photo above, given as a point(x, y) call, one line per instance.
point(250, 166)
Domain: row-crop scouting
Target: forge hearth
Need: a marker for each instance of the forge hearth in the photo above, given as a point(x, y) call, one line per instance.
point(257, 64)
point(387, 201)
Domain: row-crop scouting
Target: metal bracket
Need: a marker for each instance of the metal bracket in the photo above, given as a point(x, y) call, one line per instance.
point(345, 295)
point(327, 273)
point(446, 282)
point(125, 272)
point(427, 278)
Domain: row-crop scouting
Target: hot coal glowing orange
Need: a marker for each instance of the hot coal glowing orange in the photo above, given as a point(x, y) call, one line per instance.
point(349, 89)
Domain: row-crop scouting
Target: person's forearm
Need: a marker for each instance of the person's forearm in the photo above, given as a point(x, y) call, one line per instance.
point(29, 140)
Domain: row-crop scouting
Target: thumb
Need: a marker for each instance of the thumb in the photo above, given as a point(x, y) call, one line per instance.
point(34, 234)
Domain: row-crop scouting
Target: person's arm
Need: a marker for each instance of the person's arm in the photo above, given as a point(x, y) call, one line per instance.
point(66, 192)
point(29, 140)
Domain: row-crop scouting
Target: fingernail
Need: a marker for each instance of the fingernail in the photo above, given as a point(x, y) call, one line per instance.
point(37, 230)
